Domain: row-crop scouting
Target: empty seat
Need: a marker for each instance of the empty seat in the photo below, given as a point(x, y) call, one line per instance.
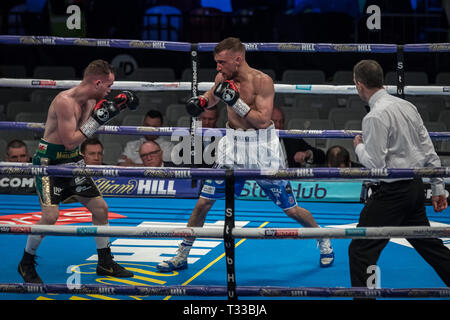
point(184, 122)
point(174, 112)
point(31, 117)
point(435, 126)
point(292, 113)
point(133, 120)
point(445, 146)
point(160, 99)
point(32, 146)
point(111, 152)
point(292, 76)
point(443, 78)
point(43, 95)
point(322, 103)
point(339, 116)
point(13, 94)
point(54, 72)
point(432, 104)
point(204, 75)
point(353, 125)
point(343, 77)
point(356, 103)
point(270, 72)
point(9, 135)
point(444, 117)
point(153, 75)
point(412, 78)
point(15, 107)
point(13, 71)
point(424, 114)
point(445, 160)
point(122, 139)
point(3, 144)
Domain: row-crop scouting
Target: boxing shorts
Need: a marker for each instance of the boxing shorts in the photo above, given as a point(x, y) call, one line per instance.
point(55, 190)
point(251, 149)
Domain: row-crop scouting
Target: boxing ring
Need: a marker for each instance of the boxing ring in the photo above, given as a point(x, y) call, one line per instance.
point(235, 255)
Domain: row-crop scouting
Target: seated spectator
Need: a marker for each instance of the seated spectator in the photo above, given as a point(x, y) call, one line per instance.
point(298, 152)
point(17, 151)
point(339, 157)
point(92, 151)
point(209, 118)
point(151, 155)
point(130, 155)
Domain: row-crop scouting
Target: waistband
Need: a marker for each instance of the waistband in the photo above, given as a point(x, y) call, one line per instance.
point(252, 135)
point(56, 151)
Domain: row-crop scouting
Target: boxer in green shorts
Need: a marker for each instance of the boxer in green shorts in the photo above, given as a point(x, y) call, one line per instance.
point(74, 115)
point(55, 190)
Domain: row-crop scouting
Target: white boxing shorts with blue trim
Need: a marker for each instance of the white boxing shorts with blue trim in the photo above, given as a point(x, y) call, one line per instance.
point(251, 149)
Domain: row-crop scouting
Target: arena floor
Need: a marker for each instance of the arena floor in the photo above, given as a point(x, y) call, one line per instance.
point(259, 262)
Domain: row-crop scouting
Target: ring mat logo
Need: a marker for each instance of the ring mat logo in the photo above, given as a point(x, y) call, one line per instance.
point(66, 216)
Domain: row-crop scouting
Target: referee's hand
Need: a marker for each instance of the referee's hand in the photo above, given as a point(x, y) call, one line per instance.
point(357, 140)
point(439, 202)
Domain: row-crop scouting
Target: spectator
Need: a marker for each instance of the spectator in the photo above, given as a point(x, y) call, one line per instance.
point(17, 151)
point(130, 155)
point(151, 155)
point(339, 157)
point(209, 118)
point(298, 152)
point(92, 151)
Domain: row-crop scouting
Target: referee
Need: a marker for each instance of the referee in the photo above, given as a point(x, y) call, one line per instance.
point(393, 136)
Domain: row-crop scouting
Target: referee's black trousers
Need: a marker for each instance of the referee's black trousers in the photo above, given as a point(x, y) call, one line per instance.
point(398, 203)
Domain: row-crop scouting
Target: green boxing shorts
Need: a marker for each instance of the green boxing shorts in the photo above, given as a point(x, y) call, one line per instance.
point(55, 190)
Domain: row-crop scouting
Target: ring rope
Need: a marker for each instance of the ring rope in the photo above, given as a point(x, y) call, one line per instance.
point(184, 131)
point(204, 86)
point(27, 169)
point(198, 290)
point(208, 47)
point(248, 233)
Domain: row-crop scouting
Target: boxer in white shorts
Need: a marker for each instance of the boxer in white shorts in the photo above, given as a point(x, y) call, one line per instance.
point(251, 142)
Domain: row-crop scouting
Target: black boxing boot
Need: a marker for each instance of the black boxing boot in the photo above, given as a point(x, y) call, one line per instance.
point(108, 267)
point(27, 268)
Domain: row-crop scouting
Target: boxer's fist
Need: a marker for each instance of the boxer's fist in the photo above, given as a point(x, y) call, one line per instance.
point(196, 105)
point(227, 92)
point(126, 99)
point(103, 111)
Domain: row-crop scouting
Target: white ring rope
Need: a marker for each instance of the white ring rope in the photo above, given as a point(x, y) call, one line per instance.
point(212, 232)
point(204, 86)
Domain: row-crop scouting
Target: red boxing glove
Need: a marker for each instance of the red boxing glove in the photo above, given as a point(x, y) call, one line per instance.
point(126, 99)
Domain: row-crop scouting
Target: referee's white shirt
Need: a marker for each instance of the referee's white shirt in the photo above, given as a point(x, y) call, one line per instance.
point(394, 137)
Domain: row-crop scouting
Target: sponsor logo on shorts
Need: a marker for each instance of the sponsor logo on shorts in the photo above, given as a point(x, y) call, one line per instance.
point(208, 189)
point(80, 189)
point(57, 191)
point(79, 180)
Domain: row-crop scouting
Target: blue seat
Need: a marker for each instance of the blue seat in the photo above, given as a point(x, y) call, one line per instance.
point(168, 32)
